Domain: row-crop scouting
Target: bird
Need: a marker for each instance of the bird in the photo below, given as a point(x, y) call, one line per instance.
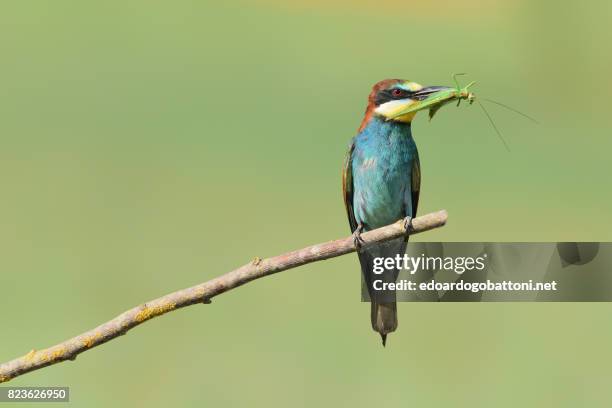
point(381, 182)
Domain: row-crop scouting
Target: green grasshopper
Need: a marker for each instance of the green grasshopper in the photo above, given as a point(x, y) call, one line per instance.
point(444, 95)
point(436, 100)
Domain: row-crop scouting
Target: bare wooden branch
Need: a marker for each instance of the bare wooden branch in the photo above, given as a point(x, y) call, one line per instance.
point(202, 293)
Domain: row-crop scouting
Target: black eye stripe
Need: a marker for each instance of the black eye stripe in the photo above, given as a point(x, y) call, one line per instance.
point(387, 95)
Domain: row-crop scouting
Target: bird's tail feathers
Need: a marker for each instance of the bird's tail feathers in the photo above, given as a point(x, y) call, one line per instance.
point(384, 318)
point(383, 302)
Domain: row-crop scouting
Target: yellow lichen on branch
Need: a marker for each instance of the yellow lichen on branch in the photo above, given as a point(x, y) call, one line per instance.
point(89, 341)
point(149, 312)
point(59, 353)
point(30, 355)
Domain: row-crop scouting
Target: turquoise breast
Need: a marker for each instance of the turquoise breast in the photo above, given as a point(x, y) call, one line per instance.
point(382, 163)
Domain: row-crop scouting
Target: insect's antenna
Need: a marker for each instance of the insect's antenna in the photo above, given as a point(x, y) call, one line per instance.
point(512, 109)
point(493, 124)
point(456, 81)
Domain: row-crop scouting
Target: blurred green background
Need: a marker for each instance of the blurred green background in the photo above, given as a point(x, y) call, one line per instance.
point(147, 146)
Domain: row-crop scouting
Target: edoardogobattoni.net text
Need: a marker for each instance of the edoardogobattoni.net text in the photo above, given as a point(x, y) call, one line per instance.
point(488, 285)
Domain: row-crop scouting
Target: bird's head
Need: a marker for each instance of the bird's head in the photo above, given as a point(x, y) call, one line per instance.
point(391, 96)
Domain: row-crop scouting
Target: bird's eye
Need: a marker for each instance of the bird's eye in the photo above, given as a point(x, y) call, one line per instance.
point(397, 92)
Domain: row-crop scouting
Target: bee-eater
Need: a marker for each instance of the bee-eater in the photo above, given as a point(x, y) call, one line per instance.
point(381, 183)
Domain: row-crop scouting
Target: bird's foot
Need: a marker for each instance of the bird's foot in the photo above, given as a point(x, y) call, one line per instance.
point(357, 240)
point(408, 224)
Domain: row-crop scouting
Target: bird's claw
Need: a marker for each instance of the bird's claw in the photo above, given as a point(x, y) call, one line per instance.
point(357, 240)
point(408, 224)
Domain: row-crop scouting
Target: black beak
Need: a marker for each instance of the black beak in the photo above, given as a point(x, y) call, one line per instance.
point(425, 92)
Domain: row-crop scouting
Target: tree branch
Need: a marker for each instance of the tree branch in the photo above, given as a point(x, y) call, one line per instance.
point(202, 293)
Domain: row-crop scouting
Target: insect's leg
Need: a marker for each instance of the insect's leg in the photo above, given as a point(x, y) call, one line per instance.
point(468, 85)
point(456, 81)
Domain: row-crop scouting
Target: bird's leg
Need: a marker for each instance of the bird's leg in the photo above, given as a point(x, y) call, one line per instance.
point(408, 224)
point(357, 240)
